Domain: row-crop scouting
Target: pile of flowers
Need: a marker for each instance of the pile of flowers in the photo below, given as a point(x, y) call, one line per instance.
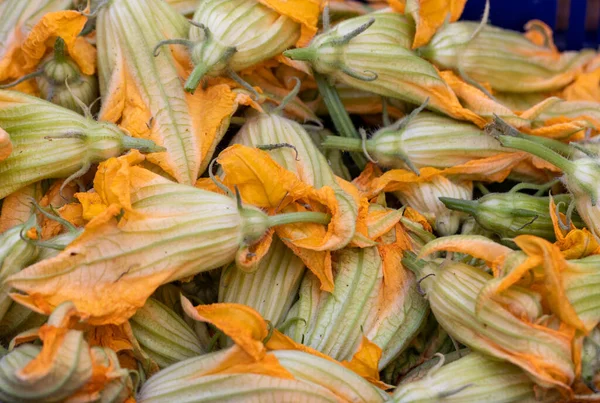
point(276, 200)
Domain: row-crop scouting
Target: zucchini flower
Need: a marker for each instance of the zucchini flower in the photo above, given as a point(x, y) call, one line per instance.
point(164, 335)
point(371, 53)
point(361, 302)
point(420, 141)
point(65, 366)
point(514, 62)
point(55, 142)
point(503, 327)
point(511, 214)
point(28, 28)
point(292, 148)
point(232, 35)
point(260, 345)
point(264, 183)
point(280, 376)
point(332, 323)
point(473, 378)
point(271, 289)
point(581, 177)
point(152, 231)
point(142, 93)
point(567, 287)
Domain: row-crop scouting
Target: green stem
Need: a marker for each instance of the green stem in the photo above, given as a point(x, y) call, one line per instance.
point(539, 151)
point(466, 206)
point(143, 145)
point(340, 117)
point(343, 143)
point(291, 218)
point(305, 54)
point(194, 79)
point(555, 145)
point(59, 50)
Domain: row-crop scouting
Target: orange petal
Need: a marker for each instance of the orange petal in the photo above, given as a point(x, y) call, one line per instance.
point(110, 336)
point(279, 341)
point(553, 264)
point(269, 365)
point(318, 262)
point(211, 109)
point(264, 183)
point(586, 87)
point(429, 15)
point(5, 145)
point(417, 217)
point(17, 207)
point(113, 178)
point(398, 5)
point(365, 362)
point(243, 324)
point(64, 24)
point(477, 101)
point(305, 12)
point(92, 205)
point(492, 169)
point(477, 246)
point(576, 243)
point(540, 33)
point(52, 336)
point(112, 185)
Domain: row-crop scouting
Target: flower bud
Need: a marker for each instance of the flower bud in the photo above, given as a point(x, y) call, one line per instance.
point(581, 177)
point(62, 82)
point(511, 214)
point(424, 140)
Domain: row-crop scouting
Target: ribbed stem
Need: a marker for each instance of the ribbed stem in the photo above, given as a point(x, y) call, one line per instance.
point(466, 206)
point(552, 144)
point(538, 150)
point(59, 50)
point(144, 145)
point(291, 218)
point(340, 117)
point(343, 143)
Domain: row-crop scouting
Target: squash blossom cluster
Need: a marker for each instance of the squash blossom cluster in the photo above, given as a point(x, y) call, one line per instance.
point(295, 201)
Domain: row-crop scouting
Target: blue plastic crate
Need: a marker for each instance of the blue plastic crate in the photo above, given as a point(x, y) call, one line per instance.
point(578, 19)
